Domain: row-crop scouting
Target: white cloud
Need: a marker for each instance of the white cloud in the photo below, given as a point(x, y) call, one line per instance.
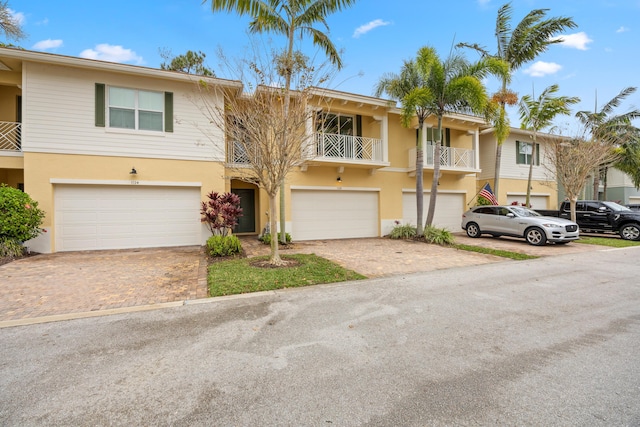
point(18, 16)
point(45, 21)
point(107, 52)
point(364, 29)
point(47, 44)
point(541, 69)
point(577, 41)
point(622, 29)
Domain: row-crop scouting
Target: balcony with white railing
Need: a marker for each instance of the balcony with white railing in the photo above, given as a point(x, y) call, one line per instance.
point(326, 149)
point(455, 160)
point(236, 154)
point(10, 138)
point(347, 149)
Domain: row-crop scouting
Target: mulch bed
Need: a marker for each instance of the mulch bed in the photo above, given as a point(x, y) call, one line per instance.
point(7, 260)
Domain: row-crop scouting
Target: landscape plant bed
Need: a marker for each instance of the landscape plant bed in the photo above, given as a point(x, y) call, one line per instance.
point(244, 275)
point(607, 241)
point(7, 260)
point(497, 252)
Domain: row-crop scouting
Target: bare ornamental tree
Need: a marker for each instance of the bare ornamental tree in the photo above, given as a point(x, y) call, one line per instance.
point(267, 142)
point(571, 160)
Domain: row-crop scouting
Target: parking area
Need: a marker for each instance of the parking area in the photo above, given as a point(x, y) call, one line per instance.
point(520, 245)
point(94, 281)
point(88, 281)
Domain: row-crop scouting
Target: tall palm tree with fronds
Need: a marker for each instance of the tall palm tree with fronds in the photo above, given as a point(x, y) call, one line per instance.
point(537, 114)
point(429, 86)
point(289, 18)
point(629, 157)
point(405, 87)
point(606, 127)
point(518, 46)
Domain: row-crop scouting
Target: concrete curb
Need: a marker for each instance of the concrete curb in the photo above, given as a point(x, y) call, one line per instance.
point(124, 310)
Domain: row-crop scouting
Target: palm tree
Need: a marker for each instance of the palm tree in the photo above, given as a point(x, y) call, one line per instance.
point(518, 46)
point(606, 128)
point(629, 158)
point(288, 18)
point(406, 87)
point(430, 86)
point(537, 114)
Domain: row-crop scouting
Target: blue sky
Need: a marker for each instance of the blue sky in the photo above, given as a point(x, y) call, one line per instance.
point(601, 55)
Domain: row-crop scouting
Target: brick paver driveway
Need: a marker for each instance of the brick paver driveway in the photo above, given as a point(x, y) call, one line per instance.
point(74, 282)
point(80, 282)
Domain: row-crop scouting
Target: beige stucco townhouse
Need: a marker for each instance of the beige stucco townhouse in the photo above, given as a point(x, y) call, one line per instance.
point(111, 152)
point(120, 156)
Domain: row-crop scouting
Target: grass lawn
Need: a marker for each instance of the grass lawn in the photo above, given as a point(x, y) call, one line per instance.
point(239, 276)
point(496, 252)
point(607, 241)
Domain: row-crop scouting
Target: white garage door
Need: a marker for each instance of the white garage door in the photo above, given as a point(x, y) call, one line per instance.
point(448, 214)
point(537, 202)
point(119, 217)
point(319, 214)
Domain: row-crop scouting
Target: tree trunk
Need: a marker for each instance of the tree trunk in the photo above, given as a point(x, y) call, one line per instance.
point(499, 141)
point(596, 184)
point(604, 183)
point(496, 175)
point(436, 175)
point(572, 206)
point(274, 258)
point(419, 180)
point(287, 86)
point(533, 156)
point(419, 190)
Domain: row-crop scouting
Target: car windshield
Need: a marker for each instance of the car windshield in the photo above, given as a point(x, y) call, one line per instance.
point(615, 207)
point(524, 212)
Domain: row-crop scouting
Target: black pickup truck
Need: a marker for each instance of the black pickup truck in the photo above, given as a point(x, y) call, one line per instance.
point(601, 217)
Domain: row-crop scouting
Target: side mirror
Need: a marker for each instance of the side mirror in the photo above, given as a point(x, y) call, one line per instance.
point(510, 215)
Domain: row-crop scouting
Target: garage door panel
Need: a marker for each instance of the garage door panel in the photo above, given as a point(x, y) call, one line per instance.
point(537, 202)
point(118, 217)
point(319, 214)
point(448, 214)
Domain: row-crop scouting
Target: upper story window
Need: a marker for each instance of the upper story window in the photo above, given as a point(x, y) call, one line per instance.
point(523, 153)
point(339, 124)
point(432, 133)
point(135, 109)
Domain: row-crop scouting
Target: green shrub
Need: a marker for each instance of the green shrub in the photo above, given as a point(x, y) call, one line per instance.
point(20, 218)
point(438, 236)
point(481, 201)
point(266, 238)
point(223, 246)
point(10, 248)
point(406, 231)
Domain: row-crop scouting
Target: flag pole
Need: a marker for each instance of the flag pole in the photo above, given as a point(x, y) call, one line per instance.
point(474, 197)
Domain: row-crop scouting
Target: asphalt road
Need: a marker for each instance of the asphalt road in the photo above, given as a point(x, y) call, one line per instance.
point(553, 341)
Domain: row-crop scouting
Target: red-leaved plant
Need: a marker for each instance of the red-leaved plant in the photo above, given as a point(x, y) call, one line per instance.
point(221, 212)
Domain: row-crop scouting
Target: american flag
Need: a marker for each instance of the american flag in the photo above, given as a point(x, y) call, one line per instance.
point(488, 194)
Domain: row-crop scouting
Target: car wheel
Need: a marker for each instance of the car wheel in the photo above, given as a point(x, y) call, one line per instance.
point(535, 236)
point(473, 230)
point(630, 232)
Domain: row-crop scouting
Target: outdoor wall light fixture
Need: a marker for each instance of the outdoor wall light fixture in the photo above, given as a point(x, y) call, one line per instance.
point(339, 179)
point(133, 171)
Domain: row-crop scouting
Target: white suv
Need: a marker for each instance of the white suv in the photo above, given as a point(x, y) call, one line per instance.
point(517, 221)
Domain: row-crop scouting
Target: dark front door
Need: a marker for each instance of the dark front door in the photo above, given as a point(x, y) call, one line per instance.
point(247, 222)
